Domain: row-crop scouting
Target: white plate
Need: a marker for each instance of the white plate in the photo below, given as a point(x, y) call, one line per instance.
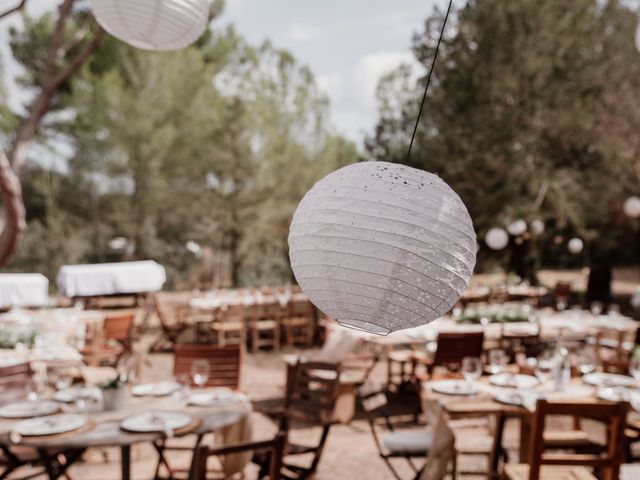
point(513, 381)
point(50, 425)
point(453, 387)
point(607, 380)
point(614, 394)
point(155, 422)
point(29, 409)
point(519, 399)
point(69, 395)
point(158, 389)
point(215, 397)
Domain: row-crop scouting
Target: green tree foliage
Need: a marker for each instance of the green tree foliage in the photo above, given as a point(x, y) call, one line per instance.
point(533, 114)
point(214, 144)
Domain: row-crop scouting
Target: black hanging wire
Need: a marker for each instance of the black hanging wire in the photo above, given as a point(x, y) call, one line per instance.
point(426, 88)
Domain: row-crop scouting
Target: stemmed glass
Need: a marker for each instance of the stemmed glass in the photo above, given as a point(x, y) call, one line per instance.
point(62, 378)
point(586, 361)
point(471, 369)
point(545, 367)
point(596, 308)
point(200, 372)
point(497, 361)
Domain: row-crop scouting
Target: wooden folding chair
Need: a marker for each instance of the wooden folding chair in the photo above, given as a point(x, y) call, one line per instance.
point(225, 363)
point(225, 367)
point(452, 348)
point(274, 448)
point(172, 317)
point(310, 400)
point(298, 323)
point(560, 466)
point(116, 341)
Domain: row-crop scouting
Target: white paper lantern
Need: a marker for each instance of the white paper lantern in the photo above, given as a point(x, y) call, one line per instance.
point(632, 207)
point(575, 245)
point(496, 239)
point(153, 24)
point(517, 227)
point(382, 247)
point(537, 227)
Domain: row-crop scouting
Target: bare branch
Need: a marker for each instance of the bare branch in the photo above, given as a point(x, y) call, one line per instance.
point(18, 7)
point(82, 56)
point(57, 38)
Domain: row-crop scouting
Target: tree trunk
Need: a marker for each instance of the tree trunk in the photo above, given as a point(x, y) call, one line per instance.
point(11, 194)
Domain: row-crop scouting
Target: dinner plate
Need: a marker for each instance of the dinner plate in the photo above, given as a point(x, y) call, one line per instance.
point(614, 394)
point(215, 397)
point(70, 395)
point(453, 387)
point(607, 380)
point(155, 422)
point(157, 389)
point(513, 380)
point(28, 409)
point(518, 399)
point(51, 425)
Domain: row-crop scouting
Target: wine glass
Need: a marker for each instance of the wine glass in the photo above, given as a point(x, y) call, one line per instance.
point(62, 378)
point(545, 367)
point(586, 361)
point(200, 372)
point(471, 369)
point(596, 308)
point(497, 361)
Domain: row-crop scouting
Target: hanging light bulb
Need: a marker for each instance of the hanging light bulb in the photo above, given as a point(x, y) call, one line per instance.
point(496, 239)
point(382, 247)
point(517, 227)
point(575, 245)
point(537, 227)
point(631, 207)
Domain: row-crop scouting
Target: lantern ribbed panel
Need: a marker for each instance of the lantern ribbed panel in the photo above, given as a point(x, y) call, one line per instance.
point(382, 247)
point(153, 24)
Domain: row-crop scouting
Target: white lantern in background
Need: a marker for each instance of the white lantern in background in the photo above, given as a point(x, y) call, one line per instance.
point(193, 247)
point(537, 227)
point(153, 24)
point(382, 247)
point(496, 239)
point(575, 245)
point(632, 207)
point(517, 227)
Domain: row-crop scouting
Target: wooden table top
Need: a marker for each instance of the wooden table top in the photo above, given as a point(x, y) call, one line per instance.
point(104, 427)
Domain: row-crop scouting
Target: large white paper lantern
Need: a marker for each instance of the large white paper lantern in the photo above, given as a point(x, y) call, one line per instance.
point(382, 247)
point(517, 227)
point(496, 239)
point(575, 245)
point(632, 207)
point(153, 24)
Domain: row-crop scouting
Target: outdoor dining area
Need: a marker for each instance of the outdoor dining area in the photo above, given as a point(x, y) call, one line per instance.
point(514, 382)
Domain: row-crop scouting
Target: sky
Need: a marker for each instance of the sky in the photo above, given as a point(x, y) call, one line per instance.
point(348, 44)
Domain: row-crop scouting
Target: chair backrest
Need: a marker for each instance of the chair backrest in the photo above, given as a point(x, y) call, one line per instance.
point(233, 313)
point(611, 414)
point(118, 326)
point(312, 394)
point(274, 447)
point(16, 381)
point(299, 308)
point(454, 346)
point(225, 363)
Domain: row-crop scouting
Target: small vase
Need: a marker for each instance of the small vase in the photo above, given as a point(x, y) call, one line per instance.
point(113, 399)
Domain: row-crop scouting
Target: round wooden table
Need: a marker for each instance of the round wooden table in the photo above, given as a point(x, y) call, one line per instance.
point(103, 430)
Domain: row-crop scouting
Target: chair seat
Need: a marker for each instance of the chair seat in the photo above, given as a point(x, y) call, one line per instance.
point(568, 439)
point(264, 325)
point(227, 326)
point(410, 442)
point(400, 355)
point(548, 472)
point(296, 321)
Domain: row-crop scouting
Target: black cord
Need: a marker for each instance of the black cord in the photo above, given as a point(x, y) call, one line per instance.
point(424, 96)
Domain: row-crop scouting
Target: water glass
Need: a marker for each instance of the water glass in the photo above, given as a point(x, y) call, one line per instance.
point(585, 361)
point(471, 369)
point(596, 308)
point(545, 367)
point(200, 372)
point(497, 361)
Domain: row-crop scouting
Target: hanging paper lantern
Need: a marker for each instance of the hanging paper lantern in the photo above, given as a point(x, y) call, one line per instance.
point(517, 227)
point(632, 207)
point(382, 247)
point(153, 24)
point(496, 239)
point(575, 245)
point(537, 227)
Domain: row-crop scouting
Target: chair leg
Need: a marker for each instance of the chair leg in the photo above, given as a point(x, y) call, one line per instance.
point(454, 465)
point(318, 452)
